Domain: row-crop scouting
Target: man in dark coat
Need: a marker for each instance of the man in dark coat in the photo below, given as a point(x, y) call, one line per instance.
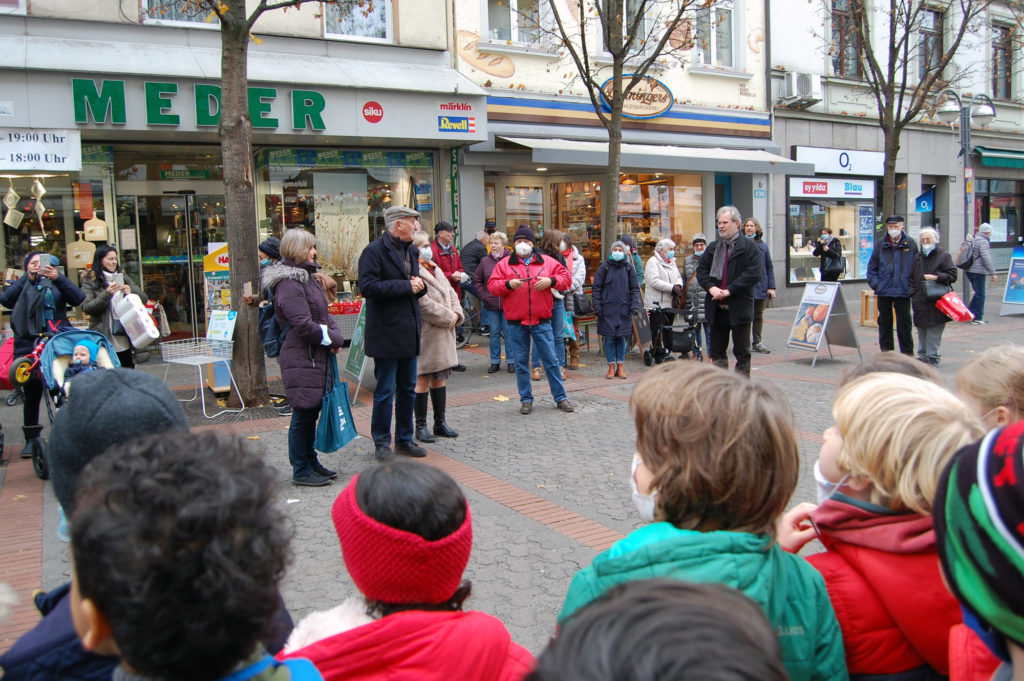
point(729, 270)
point(889, 270)
point(390, 283)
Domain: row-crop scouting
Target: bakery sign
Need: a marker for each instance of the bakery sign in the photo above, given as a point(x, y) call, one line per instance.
point(649, 98)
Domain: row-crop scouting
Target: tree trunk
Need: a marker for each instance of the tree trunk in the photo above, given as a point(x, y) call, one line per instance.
point(610, 184)
point(892, 148)
point(247, 363)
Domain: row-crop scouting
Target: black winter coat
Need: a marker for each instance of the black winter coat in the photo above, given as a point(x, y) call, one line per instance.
point(472, 253)
point(939, 263)
point(300, 301)
point(743, 272)
point(393, 319)
point(65, 295)
point(616, 297)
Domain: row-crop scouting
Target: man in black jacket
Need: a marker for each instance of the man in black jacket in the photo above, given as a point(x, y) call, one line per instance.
point(729, 270)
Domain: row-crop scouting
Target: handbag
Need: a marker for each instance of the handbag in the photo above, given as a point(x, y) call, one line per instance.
point(836, 265)
point(335, 429)
point(582, 305)
point(933, 290)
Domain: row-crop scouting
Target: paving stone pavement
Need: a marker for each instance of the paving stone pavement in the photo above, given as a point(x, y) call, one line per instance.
point(547, 490)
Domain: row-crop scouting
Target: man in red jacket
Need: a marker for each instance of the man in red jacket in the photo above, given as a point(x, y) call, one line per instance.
point(446, 256)
point(524, 281)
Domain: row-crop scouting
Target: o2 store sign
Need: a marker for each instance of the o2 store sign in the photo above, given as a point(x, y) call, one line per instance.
point(828, 188)
point(842, 161)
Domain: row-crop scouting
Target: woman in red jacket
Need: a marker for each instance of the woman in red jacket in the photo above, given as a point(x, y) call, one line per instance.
point(406, 535)
point(878, 472)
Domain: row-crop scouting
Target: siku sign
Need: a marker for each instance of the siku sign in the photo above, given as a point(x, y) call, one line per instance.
point(373, 112)
point(649, 98)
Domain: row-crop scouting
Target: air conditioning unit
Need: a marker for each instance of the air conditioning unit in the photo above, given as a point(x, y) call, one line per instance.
point(802, 89)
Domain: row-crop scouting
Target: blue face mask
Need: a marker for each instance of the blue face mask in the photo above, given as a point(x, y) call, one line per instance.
point(927, 248)
point(616, 256)
point(670, 254)
point(265, 262)
point(750, 236)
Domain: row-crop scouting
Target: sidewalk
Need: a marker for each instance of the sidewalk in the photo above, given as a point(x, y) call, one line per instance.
point(548, 491)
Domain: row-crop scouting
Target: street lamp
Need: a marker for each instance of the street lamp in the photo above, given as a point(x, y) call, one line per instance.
point(979, 109)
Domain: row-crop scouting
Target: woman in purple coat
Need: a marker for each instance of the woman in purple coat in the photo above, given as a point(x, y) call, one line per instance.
point(301, 306)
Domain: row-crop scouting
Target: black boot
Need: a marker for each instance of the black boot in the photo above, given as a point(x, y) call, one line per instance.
point(420, 411)
point(32, 442)
point(438, 400)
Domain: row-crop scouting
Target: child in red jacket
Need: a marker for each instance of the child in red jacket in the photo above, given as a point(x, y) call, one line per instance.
point(880, 465)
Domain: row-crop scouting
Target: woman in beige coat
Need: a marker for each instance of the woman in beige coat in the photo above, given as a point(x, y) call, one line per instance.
point(441, 312)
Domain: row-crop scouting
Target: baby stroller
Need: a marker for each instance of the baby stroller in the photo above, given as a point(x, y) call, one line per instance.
point(52, 356)
point(667, 337)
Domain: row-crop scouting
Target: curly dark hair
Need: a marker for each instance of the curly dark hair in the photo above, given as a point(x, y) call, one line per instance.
point(661, 630)
point(178, 542)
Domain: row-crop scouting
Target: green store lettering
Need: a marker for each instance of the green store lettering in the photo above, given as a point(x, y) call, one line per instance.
point(106, 102)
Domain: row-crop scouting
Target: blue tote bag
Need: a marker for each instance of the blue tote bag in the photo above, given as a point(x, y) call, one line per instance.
point(336, 427)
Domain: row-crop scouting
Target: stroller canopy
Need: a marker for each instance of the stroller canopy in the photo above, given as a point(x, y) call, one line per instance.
point(64, 343)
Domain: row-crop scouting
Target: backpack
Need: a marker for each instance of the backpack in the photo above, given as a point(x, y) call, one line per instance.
point(272, 334)
point(965, 256)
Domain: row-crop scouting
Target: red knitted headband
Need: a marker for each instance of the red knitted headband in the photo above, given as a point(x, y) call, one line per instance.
point(395, 566)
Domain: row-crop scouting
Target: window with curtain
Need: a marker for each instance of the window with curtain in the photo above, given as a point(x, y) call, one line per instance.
point(361, 20)
point(1002, 53)
point(161, 11)
point(845, 40)
point(929, 42)
point(516, 21)
point(714, 42)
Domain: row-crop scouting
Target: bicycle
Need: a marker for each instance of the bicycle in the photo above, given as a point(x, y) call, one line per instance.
point(471, 321)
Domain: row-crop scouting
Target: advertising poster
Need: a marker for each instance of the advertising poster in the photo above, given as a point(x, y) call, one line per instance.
point(221, 325)
point(1014, 294)
point(865, 236)
point(811, 317)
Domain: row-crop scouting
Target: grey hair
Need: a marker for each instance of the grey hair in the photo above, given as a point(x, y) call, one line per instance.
point(420, 239)
point(482, 236)
point(295, 244)
point(731, 209)
point(934, 234)
point(665, 244)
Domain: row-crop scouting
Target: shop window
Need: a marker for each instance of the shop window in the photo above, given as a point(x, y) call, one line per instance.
point(176, 12)
point(1002, 53)
point(12, 6)
point(341, 197)
point(359, 20)
point(845, 46)
point(929, 42)
point(714, 40)
point(516, 21)
point(489, 205)
point(998, 202)
point(524, 205)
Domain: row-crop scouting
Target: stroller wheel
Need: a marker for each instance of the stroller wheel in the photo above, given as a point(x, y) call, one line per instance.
point(12, 399)
point(39, 465)
point(648, 358)
point(21, 371)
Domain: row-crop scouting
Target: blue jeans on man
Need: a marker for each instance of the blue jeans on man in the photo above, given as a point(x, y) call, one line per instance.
point(977, 304)
point(496, 322)
point(396, 382)
point(558, 331)
point(520, 337)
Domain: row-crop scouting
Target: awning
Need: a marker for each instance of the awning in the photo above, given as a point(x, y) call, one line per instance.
point(640, 156)
point(1000, 158)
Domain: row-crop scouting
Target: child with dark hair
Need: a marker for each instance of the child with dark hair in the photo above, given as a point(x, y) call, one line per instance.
point(979, 528)
point(711, 476)
point(664, 630)
point(406, 536)
point(178, 550)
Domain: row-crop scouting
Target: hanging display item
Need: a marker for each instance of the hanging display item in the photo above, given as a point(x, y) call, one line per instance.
point(11, 198)
point(38, 190)
point(80, 252)
point(95, 230)
point(13, 218)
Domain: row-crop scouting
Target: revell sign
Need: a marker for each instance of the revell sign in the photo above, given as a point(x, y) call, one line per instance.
point(456, 124)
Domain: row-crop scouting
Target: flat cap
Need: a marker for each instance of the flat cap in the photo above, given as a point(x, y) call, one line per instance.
point(397, 212)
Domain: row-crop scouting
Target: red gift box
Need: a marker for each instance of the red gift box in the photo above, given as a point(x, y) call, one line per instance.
point(954, 308)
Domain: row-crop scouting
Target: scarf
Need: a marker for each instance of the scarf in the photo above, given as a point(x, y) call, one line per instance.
point(722, 257)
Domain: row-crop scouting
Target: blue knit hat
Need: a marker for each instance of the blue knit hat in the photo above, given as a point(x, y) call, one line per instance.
point(91, 346)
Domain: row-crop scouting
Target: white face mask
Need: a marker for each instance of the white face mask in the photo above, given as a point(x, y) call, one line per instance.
point(524, 249)
point(426, 253)
point(563, 246)
point(644, 503)
point(894, 234)
point(826, 488)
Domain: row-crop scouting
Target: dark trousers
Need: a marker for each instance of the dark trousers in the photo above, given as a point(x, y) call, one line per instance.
point(396, 384)
point(718, 344)
point(829, 276)
point(758, 319)
point(904, 327)
point(301, 433)
point(33, 396)
point(126, 358)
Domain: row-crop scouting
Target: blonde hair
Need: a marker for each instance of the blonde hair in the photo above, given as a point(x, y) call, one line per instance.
point(295, 244)
point(501, 236)
point(995, 378)
point(898, 434)
point(420, 239)
point(721, 447)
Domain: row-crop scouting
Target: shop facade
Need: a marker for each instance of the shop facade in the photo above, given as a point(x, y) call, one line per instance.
point(328, 156)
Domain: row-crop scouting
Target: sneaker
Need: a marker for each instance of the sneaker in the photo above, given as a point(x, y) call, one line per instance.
point(979, 321)
point(484, 331)
point(383, 453)
point(566, 406)
point(526, 407)
point(311, 480)
point(494, 368)
point(410, 449)
point(460, 338)
point(323, 470)
point(459, 367)
point(286, 410)
point(535, 374)
point(757, 347)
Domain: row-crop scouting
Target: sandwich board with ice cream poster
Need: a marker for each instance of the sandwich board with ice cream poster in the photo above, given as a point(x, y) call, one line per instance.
point(822, 316)
point(1013, 296)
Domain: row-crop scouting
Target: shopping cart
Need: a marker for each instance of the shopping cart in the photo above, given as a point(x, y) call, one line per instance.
point(199, 352)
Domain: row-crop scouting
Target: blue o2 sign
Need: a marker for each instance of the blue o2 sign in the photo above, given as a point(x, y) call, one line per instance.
point(650, 97)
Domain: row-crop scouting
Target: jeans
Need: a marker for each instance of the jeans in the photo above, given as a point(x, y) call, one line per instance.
point(977, 304)
point(718, 343)
point(301, 433)
point(702, 328)
point(519, 338)
point(558, 331)
point(615, 348)
point(496, 322)
point(758, 326)
point(886, 306)
point(396, 380)
point(928, 340)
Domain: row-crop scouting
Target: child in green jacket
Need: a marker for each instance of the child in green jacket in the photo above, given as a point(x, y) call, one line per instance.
point(712, 476)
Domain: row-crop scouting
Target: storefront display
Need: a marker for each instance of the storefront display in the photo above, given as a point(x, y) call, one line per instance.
point(847, 207)
point(998, 202)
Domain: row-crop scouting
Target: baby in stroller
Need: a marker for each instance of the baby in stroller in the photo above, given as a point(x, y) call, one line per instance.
point(83, 359)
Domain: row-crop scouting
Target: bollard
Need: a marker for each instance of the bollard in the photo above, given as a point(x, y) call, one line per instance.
point(868, 308)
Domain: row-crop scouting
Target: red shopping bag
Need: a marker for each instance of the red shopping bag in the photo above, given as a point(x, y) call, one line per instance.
point(954, 308)
point(6, 360)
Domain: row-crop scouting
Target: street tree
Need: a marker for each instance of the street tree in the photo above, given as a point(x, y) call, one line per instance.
point(235, 129)
point(905, 65)
point(636, 35)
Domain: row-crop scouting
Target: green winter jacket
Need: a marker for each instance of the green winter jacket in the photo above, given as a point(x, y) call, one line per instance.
point(791, 592)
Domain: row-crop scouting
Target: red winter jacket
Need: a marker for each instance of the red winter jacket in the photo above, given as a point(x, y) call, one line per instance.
point(883, 578)
point(525, 304)
point(421, 646)
point(449, 262)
